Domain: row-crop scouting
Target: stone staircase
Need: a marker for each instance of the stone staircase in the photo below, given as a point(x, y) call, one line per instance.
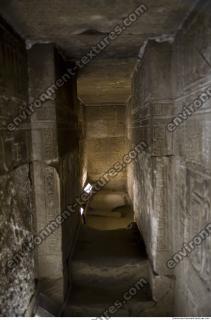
point(109, 275)
point(109, 210)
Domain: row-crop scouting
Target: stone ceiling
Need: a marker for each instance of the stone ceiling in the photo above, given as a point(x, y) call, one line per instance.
point(77, 25)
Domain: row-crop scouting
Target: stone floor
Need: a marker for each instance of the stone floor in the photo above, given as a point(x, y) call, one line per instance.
point(109, 260)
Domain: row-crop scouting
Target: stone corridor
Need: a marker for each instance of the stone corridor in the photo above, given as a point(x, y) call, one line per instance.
point(105, 157)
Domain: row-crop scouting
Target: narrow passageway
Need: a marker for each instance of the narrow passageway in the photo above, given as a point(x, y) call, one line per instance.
point(105, 157)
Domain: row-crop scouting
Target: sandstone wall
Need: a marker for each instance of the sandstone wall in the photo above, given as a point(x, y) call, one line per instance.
point(106, 142)
point(151, 107)
point(16, 190)
point(56, 155)
point(70, 130)
point(172, 180)
point(192, 147)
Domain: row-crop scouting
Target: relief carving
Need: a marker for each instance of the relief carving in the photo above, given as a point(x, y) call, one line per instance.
point(199, 208)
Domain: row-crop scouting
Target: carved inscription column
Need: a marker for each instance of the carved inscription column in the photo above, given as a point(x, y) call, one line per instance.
point(45, 157)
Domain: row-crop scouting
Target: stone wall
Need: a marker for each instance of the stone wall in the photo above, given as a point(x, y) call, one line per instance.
point(56, 163)
point(151, 108)
point(16, 190)
point(70, 129)
point(106, 142)
point(170, 184)
point(192, 148)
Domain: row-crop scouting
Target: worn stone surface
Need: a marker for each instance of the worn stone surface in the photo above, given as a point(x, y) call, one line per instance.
point(47, 201)
point(169, 185)
point(112, 87)
point(109, 210)
point(175, 175)
point(16, 193)
point(192, 143)
point(70, 133)
point(90, 22)
point(45, 154)
point(152, 171)
point(44, 122)
point(57, 155)
point(154, 213)
point(103, 270)
point(17, 284)
point(106, 142)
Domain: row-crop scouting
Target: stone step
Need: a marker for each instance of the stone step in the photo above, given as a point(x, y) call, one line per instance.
point(92, 302)
point(105, 200)
point(108, 258)
point(104, 213)
point(107, 264)
point(102, 275)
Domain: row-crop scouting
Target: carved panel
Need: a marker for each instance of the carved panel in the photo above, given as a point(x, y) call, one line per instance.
point(199, 210)
point(47, 201)
point(45, 143)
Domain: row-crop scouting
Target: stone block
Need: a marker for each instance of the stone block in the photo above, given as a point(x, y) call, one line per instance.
point(15, 149)
point(105, 142)
point(105, 121)
point(198, 208)
point(17, 284)
point(153, 215)
point(162, 288)
point(47, 204)
point(45, 143)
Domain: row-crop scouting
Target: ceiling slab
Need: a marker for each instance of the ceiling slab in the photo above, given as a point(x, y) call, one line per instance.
point(106, 81)
point(77, 25)
point(49, 19)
